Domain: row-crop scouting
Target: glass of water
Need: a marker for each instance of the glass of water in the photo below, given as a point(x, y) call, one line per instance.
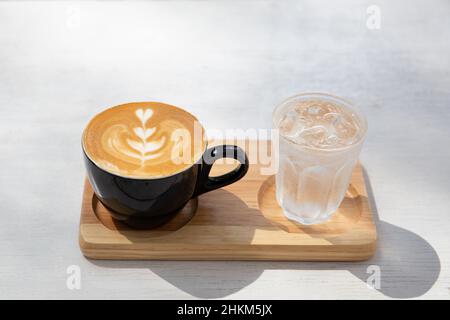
point(320, 140)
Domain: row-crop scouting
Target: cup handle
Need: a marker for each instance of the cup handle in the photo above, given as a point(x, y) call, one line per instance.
point(205, 183)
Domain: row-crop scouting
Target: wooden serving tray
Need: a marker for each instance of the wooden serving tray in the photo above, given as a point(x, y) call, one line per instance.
point(239, 222)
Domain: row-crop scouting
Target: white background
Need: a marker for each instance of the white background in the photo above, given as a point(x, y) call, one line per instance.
point(230, 63)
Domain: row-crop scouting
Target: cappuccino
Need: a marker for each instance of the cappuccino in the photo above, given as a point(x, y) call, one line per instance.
point(144, 140)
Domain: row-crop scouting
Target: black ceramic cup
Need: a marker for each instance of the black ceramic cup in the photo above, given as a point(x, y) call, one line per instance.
point(148, 203)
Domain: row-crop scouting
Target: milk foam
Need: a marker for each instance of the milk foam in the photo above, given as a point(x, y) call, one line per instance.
point(143, 140)
point(146, 150)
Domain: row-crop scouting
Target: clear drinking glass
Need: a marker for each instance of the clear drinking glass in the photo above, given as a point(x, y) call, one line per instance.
point(313, 177)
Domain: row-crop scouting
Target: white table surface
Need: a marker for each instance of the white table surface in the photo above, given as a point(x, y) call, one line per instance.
point(230, 63)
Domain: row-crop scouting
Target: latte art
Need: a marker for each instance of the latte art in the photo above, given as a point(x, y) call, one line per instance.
point(140, 149)
point(145, 140)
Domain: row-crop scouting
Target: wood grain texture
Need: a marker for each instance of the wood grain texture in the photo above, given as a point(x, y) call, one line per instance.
point(239, 222)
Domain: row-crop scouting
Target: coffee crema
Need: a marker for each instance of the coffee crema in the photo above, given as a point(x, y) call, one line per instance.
point(144, 140)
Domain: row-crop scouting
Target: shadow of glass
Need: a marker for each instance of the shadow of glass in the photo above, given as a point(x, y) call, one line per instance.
point(409, 266)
